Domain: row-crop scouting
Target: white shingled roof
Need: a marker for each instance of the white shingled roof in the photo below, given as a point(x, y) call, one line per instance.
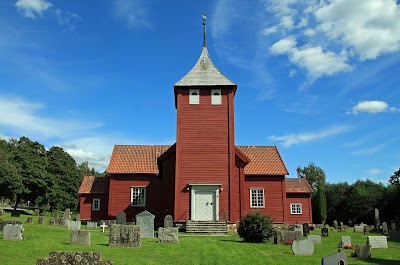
point(204, 73)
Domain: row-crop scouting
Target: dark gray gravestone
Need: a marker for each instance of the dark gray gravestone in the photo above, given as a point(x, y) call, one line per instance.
point(282, 237)
point(168, 235)
point(306, 229)
point(377, 219)
point(363, 251)
point(145, 220)
point(40, 220)
point(77, 258)
point(125, 236)
point(335, 224)
point(29, 220)
point(168, 221)
point(303, 247)
point(385, 230)
point(324, 231)
point(15, 213)
point(121, 218)
point(80, 238)
point(339, 258)
point(392, 225)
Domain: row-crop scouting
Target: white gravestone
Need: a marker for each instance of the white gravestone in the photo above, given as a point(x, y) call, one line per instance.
point(303, 247)
point(377, 241)
point(345, 241)
point(74, 225)
point(103, 226)
point(92, 225)
point(12, 232)
point(314, 238)
point(145, 220)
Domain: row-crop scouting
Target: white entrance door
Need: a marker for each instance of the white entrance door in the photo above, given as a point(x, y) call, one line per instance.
point(204, 202)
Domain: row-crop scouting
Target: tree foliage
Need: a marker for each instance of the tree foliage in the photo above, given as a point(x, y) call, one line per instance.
point(255, 227)
point(395, 178)
point(316, 178)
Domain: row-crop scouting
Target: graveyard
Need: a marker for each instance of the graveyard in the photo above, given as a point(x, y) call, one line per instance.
point(38, 240)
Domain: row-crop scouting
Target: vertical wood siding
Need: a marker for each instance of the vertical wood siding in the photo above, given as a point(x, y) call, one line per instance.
point(304, 199)
point(272, 186)
point(167, 174)
point(85, 207)
point(203, 147)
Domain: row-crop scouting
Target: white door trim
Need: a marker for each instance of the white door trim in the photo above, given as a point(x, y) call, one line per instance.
point(213, 188)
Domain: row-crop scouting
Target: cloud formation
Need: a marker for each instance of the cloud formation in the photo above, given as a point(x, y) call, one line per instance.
point(132, 12)
point(32, 8)
point(371, 106)
point(305, 137)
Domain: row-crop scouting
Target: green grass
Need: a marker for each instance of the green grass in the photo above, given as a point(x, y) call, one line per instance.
point(39, 240)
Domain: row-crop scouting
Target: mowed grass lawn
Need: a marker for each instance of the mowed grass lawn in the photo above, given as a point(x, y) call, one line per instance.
point(39, 240)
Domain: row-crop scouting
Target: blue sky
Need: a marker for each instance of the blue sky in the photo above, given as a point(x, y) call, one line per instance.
point(318, 79)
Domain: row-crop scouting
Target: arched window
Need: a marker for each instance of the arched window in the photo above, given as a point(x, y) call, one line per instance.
point(194, 96)
point(216, 98)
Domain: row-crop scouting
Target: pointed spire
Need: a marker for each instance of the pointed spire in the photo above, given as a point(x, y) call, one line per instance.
point(204, 15)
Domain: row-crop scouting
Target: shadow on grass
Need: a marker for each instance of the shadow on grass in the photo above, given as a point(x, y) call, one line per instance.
point(382, 261)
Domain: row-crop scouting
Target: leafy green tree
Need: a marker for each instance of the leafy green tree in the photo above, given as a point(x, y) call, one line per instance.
point(30, 160)
point(316, 178)
point(395, 178)
point(337, 202)
point(255, 227)
point(63, 181)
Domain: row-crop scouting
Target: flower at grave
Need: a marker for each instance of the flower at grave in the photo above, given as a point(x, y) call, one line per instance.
point(348, 247)
point(289, 242)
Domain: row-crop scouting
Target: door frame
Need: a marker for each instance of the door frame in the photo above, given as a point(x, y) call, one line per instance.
point(213, 188)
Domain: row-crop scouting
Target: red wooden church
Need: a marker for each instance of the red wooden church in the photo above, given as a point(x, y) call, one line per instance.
point(204, 175)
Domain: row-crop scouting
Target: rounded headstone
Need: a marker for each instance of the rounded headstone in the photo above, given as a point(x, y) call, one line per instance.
point(303, 247)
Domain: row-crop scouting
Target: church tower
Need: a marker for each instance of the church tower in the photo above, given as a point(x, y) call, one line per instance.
point(205, 148)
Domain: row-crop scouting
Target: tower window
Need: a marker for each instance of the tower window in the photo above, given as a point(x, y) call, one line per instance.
point(216, 98)
point(194, 96)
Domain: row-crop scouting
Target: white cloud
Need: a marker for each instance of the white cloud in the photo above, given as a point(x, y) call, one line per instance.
point(374, 171)
point(67, 19)
point(132, 12)
point(371, 106)
point(32, 8)
point(23, 118)
point(375, 149)
point(300, 138)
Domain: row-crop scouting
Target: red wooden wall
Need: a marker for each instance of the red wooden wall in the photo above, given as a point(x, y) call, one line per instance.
point(273, 194)
point(85, 204)
point(305, 200)
point(205, 147)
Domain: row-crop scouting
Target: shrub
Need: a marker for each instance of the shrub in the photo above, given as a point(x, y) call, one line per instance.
point(255, 227)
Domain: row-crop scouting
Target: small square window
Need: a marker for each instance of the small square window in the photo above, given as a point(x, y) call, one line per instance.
point(295, 208)
point(257, 198)
point(194, 96)
point(138, 196)
point(96, 205)
point(216, 98)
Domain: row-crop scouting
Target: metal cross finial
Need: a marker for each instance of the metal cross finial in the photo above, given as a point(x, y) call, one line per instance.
point(204, 15)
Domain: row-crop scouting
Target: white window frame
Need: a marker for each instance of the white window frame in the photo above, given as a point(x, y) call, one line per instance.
point(255, 201)
point(296, 208)
point(216, 99)
point(137, 191)
point(194, 99)
point(94, 208)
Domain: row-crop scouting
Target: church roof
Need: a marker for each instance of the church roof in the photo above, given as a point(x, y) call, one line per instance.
point(298, 185)
point(204, 73)
point(94, 185)
point(142, 159)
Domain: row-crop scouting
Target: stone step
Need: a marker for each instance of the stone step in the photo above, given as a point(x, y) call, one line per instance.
point(204, 227)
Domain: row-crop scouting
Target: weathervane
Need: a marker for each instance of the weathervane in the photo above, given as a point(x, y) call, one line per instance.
point(204, 15)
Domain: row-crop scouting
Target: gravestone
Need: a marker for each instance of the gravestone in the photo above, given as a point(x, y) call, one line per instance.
point(67, 213)
point(345, 241)
point(392, 225)
point(12, 232)
point(363, 251)
point(299, 228)
point(74, 225)
point(40, 220)
point(76, 258)
point(29, 220)
point(78, 217)
point(168, 235)
point(168, 221)
point(358, 229)
point(339, 258)
point(125, 236)
point(366, 230)
point(145, 220)
point(15, 213)
point(80, 238)
point(61, 221)
point(290, 228)
point(103, 226)
point(394, 235)
point(91, 225)
point(377, 241)
point(324, 231)
point(52, 221)
point(1, 212)
point(282, 237)
point(306, 229)
point(385, 230)
point(12, 222)
point(55, 215)
point(121, 218)
point(37, 212)
point(350, 222)
point(377, 219)
point(335, 224)
point(303, 247)
point(315, 239)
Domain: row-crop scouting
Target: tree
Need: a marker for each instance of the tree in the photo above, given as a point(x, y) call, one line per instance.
point(337, 202)
point(63, 181)
point(255, 227)
point(316, 178)
point(30, 160)
point(395, 178)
